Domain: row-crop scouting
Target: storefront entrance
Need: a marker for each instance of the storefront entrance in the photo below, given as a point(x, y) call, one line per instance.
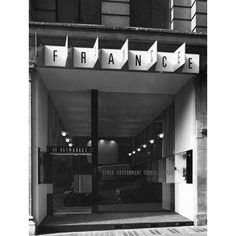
point(115, 145)
point(126, 173)
point(128, 182)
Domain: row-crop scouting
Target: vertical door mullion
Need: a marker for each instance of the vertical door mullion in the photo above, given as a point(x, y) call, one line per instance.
point(94, 138)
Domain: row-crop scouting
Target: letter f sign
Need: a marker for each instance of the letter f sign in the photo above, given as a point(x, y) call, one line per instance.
point(56, 55)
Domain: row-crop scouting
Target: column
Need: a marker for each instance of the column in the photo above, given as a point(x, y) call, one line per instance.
point(201, 149)
point(180, 15)
point(32, 224)
point(199, 16)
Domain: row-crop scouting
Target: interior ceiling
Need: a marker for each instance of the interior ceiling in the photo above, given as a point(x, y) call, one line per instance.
point(127, 101)
point(120, 114)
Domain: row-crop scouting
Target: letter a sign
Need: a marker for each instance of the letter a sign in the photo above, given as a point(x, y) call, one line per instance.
point(56, 55)
point(114, 58)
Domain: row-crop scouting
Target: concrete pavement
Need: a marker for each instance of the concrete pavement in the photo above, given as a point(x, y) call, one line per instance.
point(167, 231)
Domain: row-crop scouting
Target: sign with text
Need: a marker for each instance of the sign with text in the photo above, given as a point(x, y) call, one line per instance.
point(179, 57)
point(165, 62)
point(69, 150)
point(170, 62)
point(143, 60)
point(56, 55)
point(177, 61)
point(86, 57)
point(191, 63)
point(114, 58)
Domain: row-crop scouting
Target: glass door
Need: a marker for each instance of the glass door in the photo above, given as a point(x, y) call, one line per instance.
point(127, 157)
point(71, 184)
point(70, 147)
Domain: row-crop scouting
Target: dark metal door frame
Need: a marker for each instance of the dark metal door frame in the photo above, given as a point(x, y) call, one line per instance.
point(94, 144)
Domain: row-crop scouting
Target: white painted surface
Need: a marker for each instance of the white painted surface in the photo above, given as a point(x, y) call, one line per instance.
point(184, 140)
point(39, 113)
point(113, 81)
point(107, 152)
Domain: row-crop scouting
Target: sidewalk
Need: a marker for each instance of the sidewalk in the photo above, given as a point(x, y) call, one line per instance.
point(169, 231)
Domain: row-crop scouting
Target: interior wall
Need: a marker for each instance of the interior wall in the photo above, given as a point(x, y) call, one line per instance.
point(39, 133)
point(184, 140)
point(107, 152)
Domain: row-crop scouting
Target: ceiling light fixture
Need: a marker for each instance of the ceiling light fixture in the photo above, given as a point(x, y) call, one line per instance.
point(144, 145)
point(64, 133)
point(70, 144)
point(133, 152)
point(161, 135)
point(130, 154)
point(151, 141)
point(138, 149)
point(67, 140)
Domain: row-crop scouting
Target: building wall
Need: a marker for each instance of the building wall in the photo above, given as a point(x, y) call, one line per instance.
point(185, 140)
point(201, 146)
point(115, 13)
point(189, 15)
point(46, 127)
point(39, 123)
point(137, 13)
point(168, 149)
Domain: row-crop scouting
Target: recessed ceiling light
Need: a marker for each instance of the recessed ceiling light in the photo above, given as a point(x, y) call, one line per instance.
point(70, 144)
point(151, 141)
point(67, 140)
point(161, 135)
point(64, 133)
point(144, 145)
point(138, 149)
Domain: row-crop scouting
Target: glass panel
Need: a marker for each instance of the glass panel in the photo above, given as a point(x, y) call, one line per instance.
point(68, 11)
point(73, 11)
point(170, 169)
point(150, 13)
point(129, 152)
point(70, 111)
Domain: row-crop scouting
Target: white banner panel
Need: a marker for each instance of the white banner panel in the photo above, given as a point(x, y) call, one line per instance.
point(179, 57)
point(86, 57)
point(191, 63)
point(177, 61)
point(165, 62)
point(143, 60)
point(152, 54)
point(114, 58)
point(170, 62)
point(56, 55)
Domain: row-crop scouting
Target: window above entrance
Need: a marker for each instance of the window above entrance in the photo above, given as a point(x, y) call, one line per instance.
point(138, 13)
point(73, 11)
